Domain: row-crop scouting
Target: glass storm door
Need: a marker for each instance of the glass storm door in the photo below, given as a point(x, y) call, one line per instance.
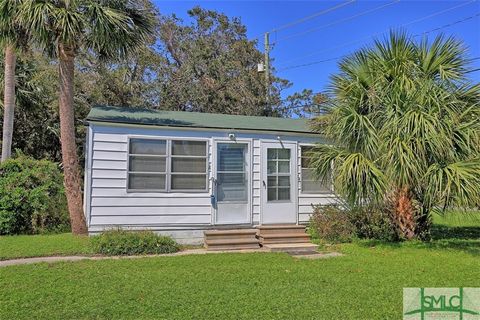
point(232, 183)
point(279, 183)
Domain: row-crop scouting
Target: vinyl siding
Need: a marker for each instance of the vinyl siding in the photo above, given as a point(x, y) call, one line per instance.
point(108, 204)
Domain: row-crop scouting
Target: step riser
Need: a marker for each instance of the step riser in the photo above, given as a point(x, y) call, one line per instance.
point(288, 240)
point(233, 236)
point(275, 231)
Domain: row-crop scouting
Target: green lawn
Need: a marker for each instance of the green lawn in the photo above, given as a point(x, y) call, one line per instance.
point(42, 245)
point(366, 283)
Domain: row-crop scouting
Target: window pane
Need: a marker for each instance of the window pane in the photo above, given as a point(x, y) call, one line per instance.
point(148, 146)
point(231, 187)
point(307, 174)
point(189, 164)
point(231, 157)
point(306, 162)
point(272, 194)
point(189, 148)
point(283, 166)
point(271, 153)
point(284, 181)
point(146, 181)
point(315, 187)
point(272, 181)
point(271, 166)
point(284, 193)
point(189, 182)
point(147, 164)
point(284, 154)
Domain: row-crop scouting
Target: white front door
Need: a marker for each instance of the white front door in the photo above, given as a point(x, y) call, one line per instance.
point(279, 182)
point(232, 181)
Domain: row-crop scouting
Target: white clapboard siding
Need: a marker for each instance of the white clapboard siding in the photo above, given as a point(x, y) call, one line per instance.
point(122, 193)
point(107, 174)
point(110, 137)
point(111, 204)
point(148, 220)
point(110, 146)
point(108, 183)
point(158, 201)
point(109, 155)
point(150, 211)
point(109, 164)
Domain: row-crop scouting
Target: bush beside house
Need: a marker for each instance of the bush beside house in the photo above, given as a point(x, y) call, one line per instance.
point(122, 242)
point(334, 224)
point(32, 197)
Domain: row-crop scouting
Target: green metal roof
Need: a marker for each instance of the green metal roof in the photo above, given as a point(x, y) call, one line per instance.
point(144, 116)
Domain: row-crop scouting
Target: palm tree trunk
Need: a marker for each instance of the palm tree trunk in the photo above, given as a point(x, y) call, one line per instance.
point(72, 178)
point(405, 213)
point(8, 102)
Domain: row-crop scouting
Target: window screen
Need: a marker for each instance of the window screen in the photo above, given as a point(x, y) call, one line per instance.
point(308, 182)
point(164, 165)
point(231, 173)
point(147, 164)
point(189, 165)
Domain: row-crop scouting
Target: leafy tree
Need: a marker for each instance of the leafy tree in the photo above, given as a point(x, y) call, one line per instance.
point(404, 129)
point(13, 36)
point(36, 126)
point(63, 28)
point(211, 66)
point(304, 104)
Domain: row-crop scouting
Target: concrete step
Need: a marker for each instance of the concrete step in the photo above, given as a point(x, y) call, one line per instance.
point(291, 247)
point(284, 228)
point(284, 238)
point(229, 234)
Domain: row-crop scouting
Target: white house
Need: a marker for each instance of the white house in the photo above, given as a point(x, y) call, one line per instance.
point(181, 173)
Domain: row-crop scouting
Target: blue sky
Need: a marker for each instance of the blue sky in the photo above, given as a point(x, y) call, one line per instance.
point(331, 42)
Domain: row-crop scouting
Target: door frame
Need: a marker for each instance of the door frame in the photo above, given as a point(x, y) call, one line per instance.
point(294, 175)
point(249, 175)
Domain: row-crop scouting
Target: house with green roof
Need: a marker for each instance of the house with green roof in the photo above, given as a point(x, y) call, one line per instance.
point(197, 175)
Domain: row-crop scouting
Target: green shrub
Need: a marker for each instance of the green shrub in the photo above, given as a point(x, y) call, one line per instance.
point(32, 197)
point(331, 224)
point(122, 242)
point(373, 222)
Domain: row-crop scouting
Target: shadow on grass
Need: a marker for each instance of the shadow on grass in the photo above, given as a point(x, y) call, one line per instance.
point(466, 239)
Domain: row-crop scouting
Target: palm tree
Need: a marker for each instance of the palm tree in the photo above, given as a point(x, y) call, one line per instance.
point(12, 37)
point(110, 29)
point(405, 130)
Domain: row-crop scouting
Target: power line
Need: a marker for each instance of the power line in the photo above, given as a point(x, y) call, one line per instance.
point(312, 16)
point(337, 22)
point(448, 25)
point(381, 32)
point(417, 35)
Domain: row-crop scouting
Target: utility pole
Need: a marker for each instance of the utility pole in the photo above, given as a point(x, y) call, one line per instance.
point(267, 69)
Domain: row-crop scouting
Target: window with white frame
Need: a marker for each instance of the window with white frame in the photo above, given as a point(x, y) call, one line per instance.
point(308, 182)
point(167, 165)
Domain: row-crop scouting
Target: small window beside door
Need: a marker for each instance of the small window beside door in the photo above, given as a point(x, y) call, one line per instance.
point(308, 182)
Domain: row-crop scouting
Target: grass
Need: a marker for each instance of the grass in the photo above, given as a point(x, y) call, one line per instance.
point(366, 283)
point(43, 245)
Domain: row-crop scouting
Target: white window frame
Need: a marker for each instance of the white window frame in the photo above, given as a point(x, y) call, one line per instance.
point(330, 191)
point(168, 170)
